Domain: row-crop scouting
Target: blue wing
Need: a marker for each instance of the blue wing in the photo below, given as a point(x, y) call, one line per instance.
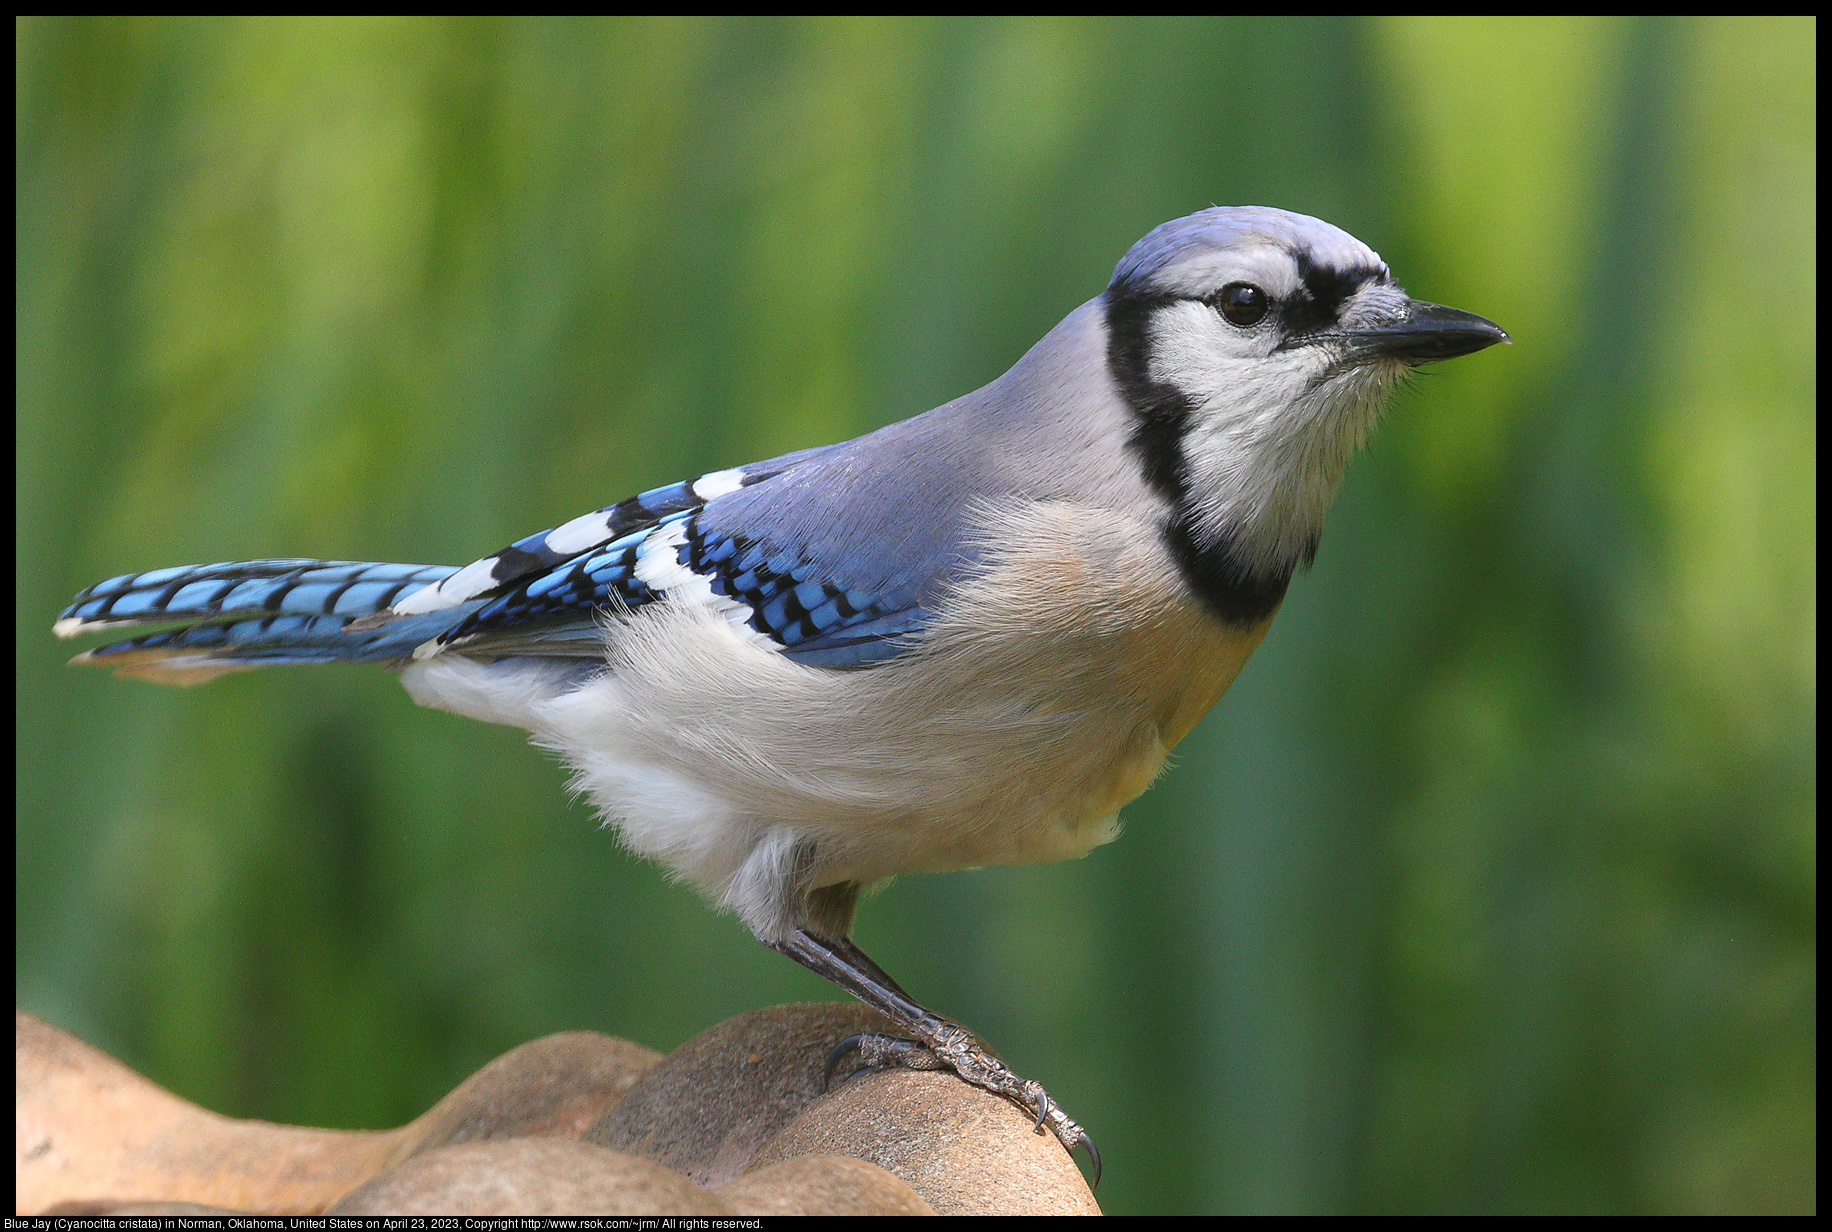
point(816, 618)
point(541, 596)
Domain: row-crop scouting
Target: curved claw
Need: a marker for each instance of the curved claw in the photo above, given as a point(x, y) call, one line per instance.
point(852, 1043)
point(1093, 1157)
point(1044, 1105)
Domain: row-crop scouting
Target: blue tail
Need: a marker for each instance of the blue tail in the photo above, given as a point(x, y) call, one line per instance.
point(259, 613)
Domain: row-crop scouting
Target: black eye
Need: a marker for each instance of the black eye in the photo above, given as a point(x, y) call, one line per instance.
point(1243, 303)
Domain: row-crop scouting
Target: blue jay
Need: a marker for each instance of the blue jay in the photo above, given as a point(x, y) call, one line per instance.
point(967, 638)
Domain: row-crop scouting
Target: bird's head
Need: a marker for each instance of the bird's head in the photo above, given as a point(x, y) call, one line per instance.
point(1257, 348)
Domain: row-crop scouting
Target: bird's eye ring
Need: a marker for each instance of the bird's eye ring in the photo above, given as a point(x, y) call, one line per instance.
point(1243, 303)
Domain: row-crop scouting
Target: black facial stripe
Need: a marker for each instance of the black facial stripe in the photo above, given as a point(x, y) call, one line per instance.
point(1230, 589)
point(1325, 288)
point(1329, 285)
point(1163, 411)
point(1302, 316)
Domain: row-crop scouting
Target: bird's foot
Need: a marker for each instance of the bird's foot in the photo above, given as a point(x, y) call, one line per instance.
point(951, 1046)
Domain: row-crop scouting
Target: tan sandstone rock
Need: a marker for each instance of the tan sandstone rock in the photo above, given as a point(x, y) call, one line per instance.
point(966, 1152)
point(735, 1121)
point(529, 1176)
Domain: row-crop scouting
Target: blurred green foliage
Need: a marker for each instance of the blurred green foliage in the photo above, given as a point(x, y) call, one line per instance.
point(1489, 888)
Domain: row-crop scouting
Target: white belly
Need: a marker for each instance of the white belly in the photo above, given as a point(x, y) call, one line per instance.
point(1011, 736)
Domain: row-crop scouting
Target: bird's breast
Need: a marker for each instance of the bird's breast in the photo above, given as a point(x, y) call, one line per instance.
point(1086, 660)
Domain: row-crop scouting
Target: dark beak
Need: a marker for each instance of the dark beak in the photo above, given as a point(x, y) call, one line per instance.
point(1427, 332)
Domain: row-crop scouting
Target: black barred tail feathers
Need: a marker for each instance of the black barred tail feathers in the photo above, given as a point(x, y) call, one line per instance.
point(264, 613)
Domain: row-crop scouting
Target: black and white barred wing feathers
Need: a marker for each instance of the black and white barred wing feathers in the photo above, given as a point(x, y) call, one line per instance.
point(543, 596)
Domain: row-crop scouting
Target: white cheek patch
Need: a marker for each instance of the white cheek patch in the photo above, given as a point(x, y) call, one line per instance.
point(1269, 433)
point(1194, 351)
point(659, 567)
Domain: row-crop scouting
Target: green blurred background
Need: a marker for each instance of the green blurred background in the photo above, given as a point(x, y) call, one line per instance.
point(1490, 887)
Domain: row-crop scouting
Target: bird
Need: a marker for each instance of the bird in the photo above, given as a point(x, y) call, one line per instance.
point(967, 638)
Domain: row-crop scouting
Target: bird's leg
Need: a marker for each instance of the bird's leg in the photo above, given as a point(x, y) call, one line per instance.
point(935, 1042)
